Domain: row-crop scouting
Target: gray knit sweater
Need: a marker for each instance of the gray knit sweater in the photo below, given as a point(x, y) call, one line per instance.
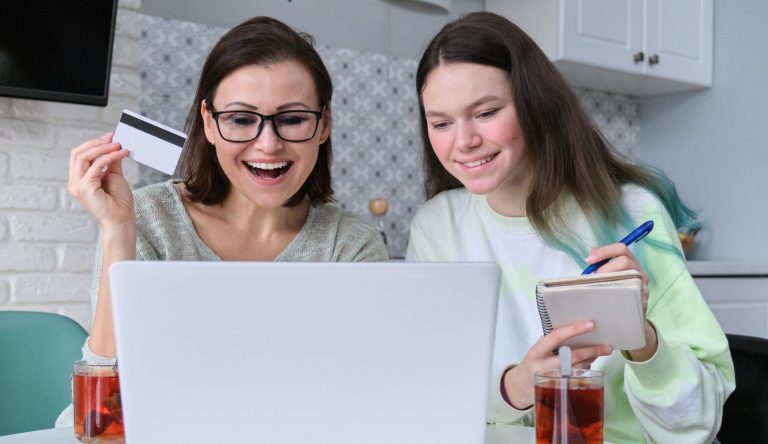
point(165, 232)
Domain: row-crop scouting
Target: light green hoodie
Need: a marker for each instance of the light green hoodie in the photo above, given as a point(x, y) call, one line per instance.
point(677, 396)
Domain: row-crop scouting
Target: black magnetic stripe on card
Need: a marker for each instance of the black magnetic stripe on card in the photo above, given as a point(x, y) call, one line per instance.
point(156, 131)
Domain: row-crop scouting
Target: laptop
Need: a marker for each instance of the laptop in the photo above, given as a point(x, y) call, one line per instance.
point(304, 352)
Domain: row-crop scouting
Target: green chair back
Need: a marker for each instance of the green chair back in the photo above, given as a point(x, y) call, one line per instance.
point(36, 355)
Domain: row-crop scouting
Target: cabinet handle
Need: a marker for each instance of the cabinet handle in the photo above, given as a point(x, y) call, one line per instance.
point(653, 60)
point(639, 56)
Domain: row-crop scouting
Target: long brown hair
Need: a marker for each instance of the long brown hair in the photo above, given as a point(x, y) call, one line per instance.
point(259, 40)
point(567, 152)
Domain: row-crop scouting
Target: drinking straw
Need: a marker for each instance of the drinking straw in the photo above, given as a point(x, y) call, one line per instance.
point(565, 374)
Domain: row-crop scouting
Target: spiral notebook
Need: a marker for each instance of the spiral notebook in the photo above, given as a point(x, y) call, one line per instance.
point(613, 300)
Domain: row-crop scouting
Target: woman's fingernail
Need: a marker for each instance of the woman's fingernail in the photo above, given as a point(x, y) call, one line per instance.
point(589, 258)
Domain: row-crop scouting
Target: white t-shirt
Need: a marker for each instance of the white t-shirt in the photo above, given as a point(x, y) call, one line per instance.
point(459, 226)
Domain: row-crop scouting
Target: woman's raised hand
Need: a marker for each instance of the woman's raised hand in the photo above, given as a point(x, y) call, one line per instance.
point(96, 180)
point(518, 382)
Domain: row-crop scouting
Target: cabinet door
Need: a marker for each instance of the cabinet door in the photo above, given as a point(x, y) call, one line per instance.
point(740, 304)
point(679, 40)
point(604, 33)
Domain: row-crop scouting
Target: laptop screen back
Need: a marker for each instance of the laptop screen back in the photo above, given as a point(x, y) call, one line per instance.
point(304, 352)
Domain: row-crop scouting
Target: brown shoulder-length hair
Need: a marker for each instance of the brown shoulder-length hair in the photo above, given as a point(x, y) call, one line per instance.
point(259, 40)
point(567, 152)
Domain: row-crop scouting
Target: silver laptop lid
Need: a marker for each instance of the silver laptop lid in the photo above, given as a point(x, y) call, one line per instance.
point(304, 352)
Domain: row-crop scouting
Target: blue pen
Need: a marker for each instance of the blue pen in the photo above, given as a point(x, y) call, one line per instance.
point(637, 234)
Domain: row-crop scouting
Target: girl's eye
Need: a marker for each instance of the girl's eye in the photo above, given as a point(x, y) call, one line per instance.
point(440, 125)
point(487, 114)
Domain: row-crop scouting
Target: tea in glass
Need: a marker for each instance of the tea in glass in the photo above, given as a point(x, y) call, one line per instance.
point(584, 407)
point(96, 400)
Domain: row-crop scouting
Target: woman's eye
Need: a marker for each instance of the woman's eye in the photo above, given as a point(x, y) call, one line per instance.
point(291, 120)
point(241, 120)
point(440, 125)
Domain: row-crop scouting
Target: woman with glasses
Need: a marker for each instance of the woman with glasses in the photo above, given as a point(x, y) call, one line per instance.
point(255, 174)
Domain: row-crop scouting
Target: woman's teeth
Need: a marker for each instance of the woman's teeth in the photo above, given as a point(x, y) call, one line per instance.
point(267, 166)
point(271, 170)
point(479, 162)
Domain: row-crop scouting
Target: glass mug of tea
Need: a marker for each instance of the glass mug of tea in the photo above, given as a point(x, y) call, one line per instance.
point(569, 407)
point(96, 401)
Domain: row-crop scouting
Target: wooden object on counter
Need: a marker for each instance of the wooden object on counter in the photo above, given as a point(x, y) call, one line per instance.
point(379, 207)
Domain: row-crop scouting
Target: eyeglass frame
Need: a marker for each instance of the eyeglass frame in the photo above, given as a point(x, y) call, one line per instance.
point(264, 118)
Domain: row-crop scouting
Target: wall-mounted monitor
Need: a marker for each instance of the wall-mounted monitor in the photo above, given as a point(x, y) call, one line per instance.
point(58, 50)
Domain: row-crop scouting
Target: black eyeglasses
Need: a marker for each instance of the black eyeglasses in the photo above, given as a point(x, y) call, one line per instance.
point(244, 126)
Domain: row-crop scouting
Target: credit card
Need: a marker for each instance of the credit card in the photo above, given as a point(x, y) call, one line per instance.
point(148, 142)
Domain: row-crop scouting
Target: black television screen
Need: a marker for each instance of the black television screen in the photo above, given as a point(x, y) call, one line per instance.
point(59, 50)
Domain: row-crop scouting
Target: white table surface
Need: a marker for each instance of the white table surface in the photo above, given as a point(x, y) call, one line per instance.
point(65, 435)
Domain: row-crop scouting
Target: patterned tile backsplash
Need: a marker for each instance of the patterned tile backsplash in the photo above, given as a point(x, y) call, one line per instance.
point(375, 116)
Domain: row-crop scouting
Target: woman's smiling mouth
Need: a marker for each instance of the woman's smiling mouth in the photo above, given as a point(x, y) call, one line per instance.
point(268, 170)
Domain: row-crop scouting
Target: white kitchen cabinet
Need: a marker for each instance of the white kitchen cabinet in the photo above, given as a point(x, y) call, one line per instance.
point(636, 47)
point(737, 294)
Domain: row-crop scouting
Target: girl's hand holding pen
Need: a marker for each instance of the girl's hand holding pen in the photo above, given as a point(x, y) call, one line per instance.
point(621, 258)
point(636, 234)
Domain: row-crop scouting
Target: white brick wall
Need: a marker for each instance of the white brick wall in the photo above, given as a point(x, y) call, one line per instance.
point(3, 164)
point(47, 240)
point(27, 197)
point(4, 292)
point(18, 257)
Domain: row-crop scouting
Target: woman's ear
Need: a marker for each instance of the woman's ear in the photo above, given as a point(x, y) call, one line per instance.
point(325, 133)
point(207, 123)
